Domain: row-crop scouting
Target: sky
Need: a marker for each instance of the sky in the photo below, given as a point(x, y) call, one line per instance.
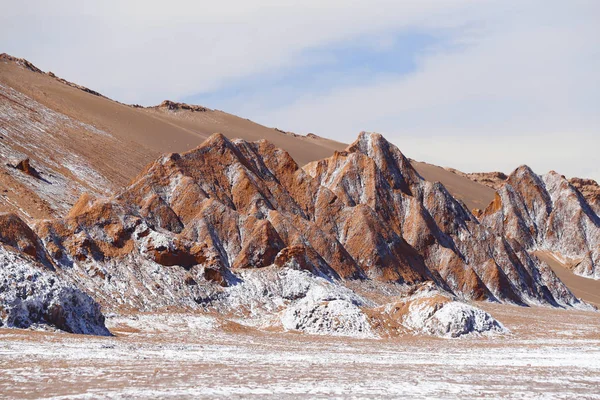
point(475, 85)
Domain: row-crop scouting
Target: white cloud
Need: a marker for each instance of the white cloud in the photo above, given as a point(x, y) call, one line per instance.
point(523, 89)
point(519, 85)
point(144, 51)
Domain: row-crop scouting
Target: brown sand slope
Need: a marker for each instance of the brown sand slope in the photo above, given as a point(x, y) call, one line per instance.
point(81, 141)
point(584, 288)
point(159, 130)
point(474, 194)
point(139, 135)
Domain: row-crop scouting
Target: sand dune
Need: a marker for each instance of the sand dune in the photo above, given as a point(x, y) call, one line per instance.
point(584, 288)
point(158, 130)
point(475, 195)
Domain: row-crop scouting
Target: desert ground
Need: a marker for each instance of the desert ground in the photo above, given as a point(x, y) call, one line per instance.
point(550, 353)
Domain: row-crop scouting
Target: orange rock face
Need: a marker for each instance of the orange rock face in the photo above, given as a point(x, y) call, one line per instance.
point(15, 233)
point(193, 220)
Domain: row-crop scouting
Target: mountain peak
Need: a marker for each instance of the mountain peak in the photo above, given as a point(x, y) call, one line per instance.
point(522, 171)
point(20, 61)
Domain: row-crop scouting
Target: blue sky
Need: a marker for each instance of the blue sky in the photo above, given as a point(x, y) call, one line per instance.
point(325, 69)
point(476, 85)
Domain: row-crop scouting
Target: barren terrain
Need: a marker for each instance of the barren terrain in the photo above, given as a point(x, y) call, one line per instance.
point(209, 264)
point(550, 353)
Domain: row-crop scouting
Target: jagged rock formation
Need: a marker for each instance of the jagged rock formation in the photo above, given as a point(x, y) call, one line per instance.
point(494, 180)
point(361, 213)
point(456, 251)
point(590, 189)
point(204, 228)
point(548, 213)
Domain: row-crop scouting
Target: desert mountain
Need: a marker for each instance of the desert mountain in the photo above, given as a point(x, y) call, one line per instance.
point(222, 225)
point(80, 141)
point(296, 231)
point(547, 213)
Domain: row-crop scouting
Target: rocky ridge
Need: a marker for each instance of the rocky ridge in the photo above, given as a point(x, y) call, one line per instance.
point(240, 228)
point(548, 213)
point(590, 189)
point(494, 180)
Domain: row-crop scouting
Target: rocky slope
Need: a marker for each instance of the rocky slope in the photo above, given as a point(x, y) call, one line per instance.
point(32, 295)
point(80, 141)
point(239, 227)
point(548, 213)
point(75, 135)
point(590, 189)
point(494, 180)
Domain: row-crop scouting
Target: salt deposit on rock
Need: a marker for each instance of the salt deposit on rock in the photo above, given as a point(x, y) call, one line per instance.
point(333, 317)
point(30, 296)
point(430, 311)
point(451, 319)
point(548, 213)
point(240, 228)
point(305, 302)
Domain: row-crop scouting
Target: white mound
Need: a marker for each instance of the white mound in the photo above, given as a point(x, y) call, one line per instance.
point(304, 302)
point(30, 296)
point(335, 317)
point(451, 319)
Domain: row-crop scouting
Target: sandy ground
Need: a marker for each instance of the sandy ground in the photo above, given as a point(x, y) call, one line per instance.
point(158, 131)
point(550, 353)
point(584, 288)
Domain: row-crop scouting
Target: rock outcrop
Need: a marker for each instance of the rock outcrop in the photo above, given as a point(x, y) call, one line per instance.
point(590, 189)
point(30, 295)
point(14, 232)
point(548, 213)
point(174, 106)
point(25, 166)
point(427, 310)
point(225, 225)
point(20, 61)
point(494, 180)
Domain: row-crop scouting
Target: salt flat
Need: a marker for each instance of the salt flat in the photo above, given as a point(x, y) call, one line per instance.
point(550, 353)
